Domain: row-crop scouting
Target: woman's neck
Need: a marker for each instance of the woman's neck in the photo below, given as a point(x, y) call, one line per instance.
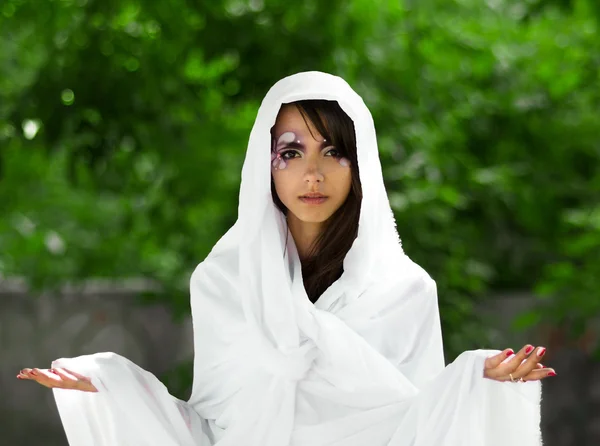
point(304, 234)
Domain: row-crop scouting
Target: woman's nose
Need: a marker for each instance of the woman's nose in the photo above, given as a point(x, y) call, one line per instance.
point(313, 173)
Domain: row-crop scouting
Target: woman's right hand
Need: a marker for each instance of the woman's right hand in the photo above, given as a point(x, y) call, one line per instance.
point(58, 378)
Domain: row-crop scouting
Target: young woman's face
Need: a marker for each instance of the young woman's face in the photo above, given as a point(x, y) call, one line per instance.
point(303, 164)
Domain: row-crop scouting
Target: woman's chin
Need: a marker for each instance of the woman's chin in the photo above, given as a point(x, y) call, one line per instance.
point(313, 216)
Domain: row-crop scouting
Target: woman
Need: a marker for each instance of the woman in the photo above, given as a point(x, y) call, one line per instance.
point(311, 325)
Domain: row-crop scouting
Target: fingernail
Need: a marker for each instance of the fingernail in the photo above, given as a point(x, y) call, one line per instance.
point(541, 351)
point(529, 349)
point(510, 352)
point(551, 373)
point(19, 377)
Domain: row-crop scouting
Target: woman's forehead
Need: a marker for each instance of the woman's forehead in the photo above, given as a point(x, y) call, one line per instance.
point(290, 119)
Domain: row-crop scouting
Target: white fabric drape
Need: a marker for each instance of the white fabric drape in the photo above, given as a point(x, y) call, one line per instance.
point(362, 366)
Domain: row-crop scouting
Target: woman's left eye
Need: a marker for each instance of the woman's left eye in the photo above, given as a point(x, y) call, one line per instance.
point(334, 152)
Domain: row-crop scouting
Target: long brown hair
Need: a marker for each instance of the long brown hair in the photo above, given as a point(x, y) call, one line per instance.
point(324, 265)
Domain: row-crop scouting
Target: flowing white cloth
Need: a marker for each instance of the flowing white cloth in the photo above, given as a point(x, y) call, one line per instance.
point(362, 366)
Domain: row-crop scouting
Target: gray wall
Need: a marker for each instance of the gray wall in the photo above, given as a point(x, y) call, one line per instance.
point(102, 316)
point(571, 400)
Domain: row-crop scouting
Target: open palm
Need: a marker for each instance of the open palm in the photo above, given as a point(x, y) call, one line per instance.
point(58, 378)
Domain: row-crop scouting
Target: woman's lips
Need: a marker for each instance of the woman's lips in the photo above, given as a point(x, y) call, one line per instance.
point(313, 200)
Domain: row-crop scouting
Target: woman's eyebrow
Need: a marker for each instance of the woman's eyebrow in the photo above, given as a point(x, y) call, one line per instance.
point(301, 136)
point(301, 144)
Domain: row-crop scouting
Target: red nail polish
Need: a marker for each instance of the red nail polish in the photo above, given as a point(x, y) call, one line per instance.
point(541, 352)
point(551, 374)
point(510, 352)
point(529, 349)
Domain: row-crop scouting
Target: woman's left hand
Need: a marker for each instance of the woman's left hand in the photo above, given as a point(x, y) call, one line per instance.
point(523, 366)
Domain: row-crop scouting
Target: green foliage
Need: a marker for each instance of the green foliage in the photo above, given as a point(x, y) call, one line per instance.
point(123, 127)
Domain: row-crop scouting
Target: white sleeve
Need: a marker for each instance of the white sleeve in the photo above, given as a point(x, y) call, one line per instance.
point(462, 408)
point(132, 407)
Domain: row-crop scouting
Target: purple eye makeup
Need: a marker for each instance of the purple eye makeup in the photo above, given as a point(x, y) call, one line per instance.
point(286, 138)
point(289, 142)
point(277, 162)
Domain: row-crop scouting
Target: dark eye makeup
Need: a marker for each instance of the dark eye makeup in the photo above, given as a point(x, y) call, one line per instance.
point(289, 153)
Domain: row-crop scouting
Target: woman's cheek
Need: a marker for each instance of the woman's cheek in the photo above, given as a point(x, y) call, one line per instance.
point(282, 180)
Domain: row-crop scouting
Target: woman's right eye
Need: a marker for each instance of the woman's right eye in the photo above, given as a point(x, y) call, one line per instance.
point(288, 154)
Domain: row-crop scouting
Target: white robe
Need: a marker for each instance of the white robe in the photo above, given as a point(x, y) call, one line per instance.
point(362, 366)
